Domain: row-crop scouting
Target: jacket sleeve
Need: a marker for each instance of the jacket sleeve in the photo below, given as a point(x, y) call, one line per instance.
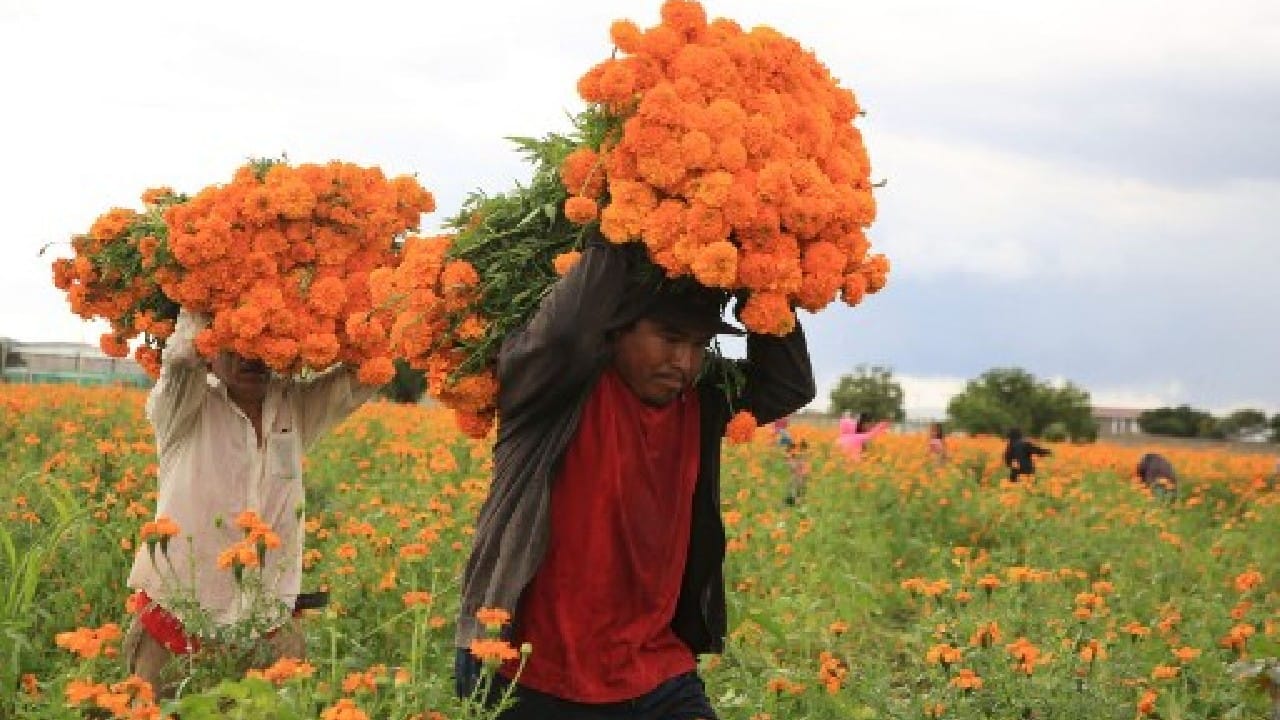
point(550, 357)
point(1037, 450)
point(779, 375)
point(180, 390)
point(327, 400)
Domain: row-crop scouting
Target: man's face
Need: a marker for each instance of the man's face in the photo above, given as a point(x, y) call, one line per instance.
point(244, 379)
point(657, 360)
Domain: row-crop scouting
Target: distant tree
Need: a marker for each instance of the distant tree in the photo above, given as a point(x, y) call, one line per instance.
point(407, 386)
point(870, 390)
point(1004, 398)
point(1181, 421)
point(1275, 428)
point(1244, 423)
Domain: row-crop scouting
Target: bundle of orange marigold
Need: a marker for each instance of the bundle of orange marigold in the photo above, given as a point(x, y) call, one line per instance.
point(733, 157)
point(730, 156)
point(279, 259)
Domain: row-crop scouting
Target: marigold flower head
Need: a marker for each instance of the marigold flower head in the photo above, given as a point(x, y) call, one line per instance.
point(493, 618)
point(565, 261)
point(741, 428)
point(344, 709)
point(580, 210)
point(376, 371)
point(493, 651)
point(966, 680)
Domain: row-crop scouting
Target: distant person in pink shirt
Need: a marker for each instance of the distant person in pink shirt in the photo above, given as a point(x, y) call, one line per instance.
point(855, 433)
point(937, 444)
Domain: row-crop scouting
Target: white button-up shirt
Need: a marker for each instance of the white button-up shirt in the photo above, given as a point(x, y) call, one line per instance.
point(211, 468)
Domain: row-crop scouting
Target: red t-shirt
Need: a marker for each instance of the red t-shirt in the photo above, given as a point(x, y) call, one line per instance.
point(598, 612)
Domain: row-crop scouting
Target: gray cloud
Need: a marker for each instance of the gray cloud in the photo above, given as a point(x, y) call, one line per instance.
point(1212, 343)
point(1192, 130)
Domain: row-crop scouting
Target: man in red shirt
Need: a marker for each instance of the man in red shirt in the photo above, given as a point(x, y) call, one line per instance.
point(602, 531)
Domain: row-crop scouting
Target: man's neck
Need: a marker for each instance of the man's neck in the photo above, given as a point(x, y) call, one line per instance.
point(252, 409)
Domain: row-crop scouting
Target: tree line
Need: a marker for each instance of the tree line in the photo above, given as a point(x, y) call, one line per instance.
point(1004, 398)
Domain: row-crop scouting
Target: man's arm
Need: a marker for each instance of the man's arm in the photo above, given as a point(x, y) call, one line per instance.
point(180, 390)
point(548, 360)
point(327, 400)
point(779, 375)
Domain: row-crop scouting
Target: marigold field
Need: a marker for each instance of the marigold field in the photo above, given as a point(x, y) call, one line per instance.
point(894, 589)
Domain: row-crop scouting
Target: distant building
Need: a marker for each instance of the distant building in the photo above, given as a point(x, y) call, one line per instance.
point(65, 362)
point(1117, 421)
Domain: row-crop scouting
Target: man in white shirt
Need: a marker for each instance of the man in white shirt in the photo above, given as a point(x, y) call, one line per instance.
point(230, 438)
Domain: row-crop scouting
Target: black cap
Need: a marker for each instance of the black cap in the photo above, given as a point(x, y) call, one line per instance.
point(692, 307)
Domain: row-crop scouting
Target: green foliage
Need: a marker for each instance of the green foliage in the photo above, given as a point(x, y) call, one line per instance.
point(512, 238)
point(1056, 432)
point(1004, 398)
point(856, 552)
point(1243, 423)
point(1181, 421)
point(24, 560)
point(1274, 424)
point(871, 391)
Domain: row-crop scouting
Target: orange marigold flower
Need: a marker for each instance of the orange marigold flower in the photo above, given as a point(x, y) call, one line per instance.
point(684, 16)
point(565, 261)
point(89, 642)
point(327, 296)
point(768, 313)
point(966, 680)
point(319, 350)
point(248, 520)
point(493, 618)
point(417, 597)
point(80, 690)
point(1147, 703)
point(582, 173)
point(113, 345)
point(283, 670)
point(741, 428)
point(716, 265)
point(376, 371)
point(580, 210)
point(151, 196)
point(626, 35)
point(344, 709)
point(1248, 580)
point(492, 651)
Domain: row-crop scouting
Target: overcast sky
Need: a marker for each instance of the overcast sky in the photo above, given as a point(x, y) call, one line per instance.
point(1089, 190)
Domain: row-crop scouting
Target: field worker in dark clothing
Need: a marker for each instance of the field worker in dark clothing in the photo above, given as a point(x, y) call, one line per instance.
point(1156, 472)
point(602, 531)
point(1019, 455)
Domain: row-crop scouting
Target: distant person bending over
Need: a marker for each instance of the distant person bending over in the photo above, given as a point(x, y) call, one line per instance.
point(1019, 455)
point(1156, 472)
point(856, 433)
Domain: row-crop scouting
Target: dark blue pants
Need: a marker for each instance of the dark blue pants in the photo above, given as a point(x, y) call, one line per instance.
point(683, 697)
